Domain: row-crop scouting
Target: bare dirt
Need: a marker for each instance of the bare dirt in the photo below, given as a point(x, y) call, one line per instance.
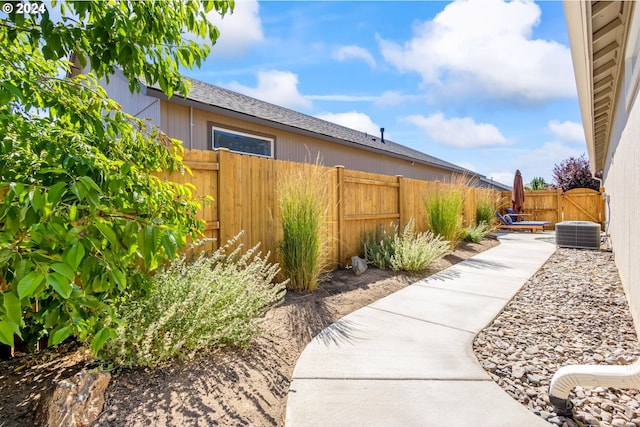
point(227, 387)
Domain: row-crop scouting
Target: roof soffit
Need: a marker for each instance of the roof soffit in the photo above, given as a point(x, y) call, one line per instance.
point(609, 25)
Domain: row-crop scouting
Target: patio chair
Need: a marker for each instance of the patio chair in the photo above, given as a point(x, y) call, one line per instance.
point(512, 214)
point(507, 224)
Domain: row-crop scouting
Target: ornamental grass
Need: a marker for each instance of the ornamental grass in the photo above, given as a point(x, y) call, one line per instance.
point(303, 210)
point(444, 210)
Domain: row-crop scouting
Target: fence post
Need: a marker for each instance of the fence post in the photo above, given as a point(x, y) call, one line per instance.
point(340, 204)
point(560, 205)
point(401, 204)
point(225, 195)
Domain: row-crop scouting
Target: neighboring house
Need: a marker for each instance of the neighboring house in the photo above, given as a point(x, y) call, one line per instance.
point(605, 45)
point(212, 117)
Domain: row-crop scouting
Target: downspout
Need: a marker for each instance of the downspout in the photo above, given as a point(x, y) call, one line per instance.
point(568, 377)
point(606, 199)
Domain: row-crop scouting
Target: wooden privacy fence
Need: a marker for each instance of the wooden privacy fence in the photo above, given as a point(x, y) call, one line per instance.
point(578, 204)
point(245, 191)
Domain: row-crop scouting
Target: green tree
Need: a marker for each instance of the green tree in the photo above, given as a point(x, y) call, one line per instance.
point(538, 183)
point(84, 217)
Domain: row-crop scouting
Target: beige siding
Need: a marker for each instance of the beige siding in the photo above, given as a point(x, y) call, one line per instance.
point(292, 146)
point(299, 148)
point(139, 105)
point(175, 122)
point(622, 181)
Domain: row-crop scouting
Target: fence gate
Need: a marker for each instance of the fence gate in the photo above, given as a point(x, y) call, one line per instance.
point(583, 204)
point(579, 204)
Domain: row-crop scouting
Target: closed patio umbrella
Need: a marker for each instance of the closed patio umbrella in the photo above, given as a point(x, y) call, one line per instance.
point(517, 193)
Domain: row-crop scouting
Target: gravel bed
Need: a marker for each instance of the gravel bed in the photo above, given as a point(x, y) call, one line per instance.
point(572, 311)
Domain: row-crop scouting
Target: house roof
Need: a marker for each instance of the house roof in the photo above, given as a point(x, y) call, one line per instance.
point(598, 34)
point(232, 103)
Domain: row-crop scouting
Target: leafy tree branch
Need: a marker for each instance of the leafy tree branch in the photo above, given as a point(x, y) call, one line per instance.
point(84, 217)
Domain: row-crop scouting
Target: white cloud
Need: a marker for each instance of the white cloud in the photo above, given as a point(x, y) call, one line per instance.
point(535, 162)
point(390, 98)
point(387, 98)
point(277, 87)
point(486, 46)
point(345, 53)
point(353, 120)
point(467, 165)
point(458, 132)
point(540, 161)
point(567, 131)
point(343, 98)
point(238, 30)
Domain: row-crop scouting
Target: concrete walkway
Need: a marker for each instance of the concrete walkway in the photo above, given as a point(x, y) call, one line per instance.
point(407, 359)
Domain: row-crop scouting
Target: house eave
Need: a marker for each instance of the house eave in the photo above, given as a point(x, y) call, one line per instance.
point(598, 34)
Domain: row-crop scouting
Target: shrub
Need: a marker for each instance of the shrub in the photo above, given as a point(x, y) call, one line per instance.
point(574, 172)
point(444, 212)
point(379, 246)
point(476, 233)
point(214, 300)
point(302, 200)
point(408, 251)
point(83, 218)
point(416, 251)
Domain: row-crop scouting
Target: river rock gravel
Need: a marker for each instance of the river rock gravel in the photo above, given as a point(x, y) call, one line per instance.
point(572, 311)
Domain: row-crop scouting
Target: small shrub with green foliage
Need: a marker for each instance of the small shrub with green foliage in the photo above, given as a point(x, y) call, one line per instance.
point(416, 251)
point(444, 213)
point(476, 233)
point(302, 200)
point(214, 300)
point(379, 246)
point(407, 251)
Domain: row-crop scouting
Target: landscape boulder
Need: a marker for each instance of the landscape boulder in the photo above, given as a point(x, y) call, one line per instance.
point(75, 401)
point(359, 265)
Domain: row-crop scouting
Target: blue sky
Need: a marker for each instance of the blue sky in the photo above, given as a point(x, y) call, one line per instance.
point(484, 84)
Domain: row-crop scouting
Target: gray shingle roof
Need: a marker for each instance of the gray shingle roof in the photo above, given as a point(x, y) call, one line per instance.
point(225, 99)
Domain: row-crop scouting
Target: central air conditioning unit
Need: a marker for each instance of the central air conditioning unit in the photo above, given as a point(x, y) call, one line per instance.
point(578, 234)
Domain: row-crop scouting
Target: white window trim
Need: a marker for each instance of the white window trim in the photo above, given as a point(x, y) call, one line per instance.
point(632, 76)
point(250, 135)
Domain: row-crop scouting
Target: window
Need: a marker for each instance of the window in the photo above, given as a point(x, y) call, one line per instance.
point(240, 142)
